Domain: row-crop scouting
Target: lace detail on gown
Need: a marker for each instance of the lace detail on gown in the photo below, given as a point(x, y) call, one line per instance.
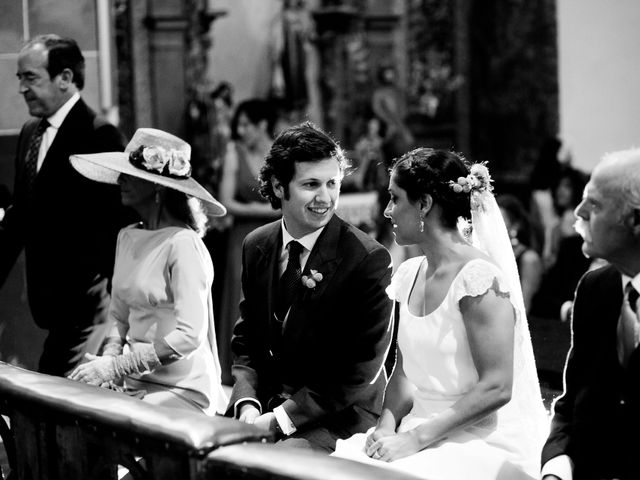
point(478, 277)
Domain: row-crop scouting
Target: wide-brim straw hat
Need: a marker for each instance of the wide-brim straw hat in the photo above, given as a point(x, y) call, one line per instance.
point(152, 155)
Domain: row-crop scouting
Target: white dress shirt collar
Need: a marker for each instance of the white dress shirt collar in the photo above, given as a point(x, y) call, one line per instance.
point(308, 241)
point(57, 118)
point(55, 122)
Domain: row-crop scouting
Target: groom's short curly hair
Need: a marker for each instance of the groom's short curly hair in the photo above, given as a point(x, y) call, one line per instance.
point(300, 143)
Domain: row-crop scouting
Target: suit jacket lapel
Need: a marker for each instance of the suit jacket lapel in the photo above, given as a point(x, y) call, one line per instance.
point(267, 265)
point(23, 146)
point(324, 257)
point(65, 136)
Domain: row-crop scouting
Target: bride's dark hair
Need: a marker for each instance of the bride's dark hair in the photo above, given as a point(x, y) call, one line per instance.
point(425, 170)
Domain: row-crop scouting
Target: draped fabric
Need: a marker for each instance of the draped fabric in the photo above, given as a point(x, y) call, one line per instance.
point(490, 235)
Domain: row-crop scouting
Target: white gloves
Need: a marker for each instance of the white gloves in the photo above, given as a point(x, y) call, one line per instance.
point(108, 368)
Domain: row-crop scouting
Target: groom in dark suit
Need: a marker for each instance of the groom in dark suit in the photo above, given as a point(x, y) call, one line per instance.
point(314, 325)
point(595, 431)
point(66, 223)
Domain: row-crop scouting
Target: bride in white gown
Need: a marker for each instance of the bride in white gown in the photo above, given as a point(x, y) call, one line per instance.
point(464, 399)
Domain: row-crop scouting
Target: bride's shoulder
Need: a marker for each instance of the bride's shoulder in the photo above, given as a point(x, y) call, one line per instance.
point(408, 268)
point(404, 276)
point(478, 275)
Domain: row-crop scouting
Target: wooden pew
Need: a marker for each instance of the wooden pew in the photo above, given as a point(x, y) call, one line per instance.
point(60, 429)
point(255, 461)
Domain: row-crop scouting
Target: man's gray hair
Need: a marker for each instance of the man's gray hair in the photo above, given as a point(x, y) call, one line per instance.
point(627, 164)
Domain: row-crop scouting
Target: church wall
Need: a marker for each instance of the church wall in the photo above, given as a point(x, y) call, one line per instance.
point(599, 68)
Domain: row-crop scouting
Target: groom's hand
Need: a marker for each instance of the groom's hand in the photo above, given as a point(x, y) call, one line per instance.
point(248, 413)
point(267, 422)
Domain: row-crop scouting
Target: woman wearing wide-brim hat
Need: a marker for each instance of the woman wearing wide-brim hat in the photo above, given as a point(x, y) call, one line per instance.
point(163, 342)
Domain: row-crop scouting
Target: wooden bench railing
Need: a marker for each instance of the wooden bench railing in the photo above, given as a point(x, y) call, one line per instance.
point(59, 429)
point(262, 461)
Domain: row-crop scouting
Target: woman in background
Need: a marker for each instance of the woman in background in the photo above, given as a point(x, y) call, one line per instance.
point(563, 260)
point(163, 344)
point(251, 129)
point(554, 159)
point(528, 260)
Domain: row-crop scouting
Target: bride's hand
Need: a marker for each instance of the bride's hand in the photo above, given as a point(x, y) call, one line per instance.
point(377, 434)
point(394, 446)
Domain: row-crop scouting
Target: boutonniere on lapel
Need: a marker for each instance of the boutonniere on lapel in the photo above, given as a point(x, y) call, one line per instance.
point(310, 281)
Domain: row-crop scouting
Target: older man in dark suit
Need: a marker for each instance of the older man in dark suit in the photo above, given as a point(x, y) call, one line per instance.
point(66, 223)
point(314, 326)
point(594, 432)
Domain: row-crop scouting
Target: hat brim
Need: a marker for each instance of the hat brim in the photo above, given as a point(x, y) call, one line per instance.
point(106, 167)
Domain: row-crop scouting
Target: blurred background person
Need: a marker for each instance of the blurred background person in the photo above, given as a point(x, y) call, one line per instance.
point(370, 170)
point(251, 131)
point(387, 103)
point(528, 260)
point(554, 159)
point(222, 100)
point(563, 259)
point(567, 194)
point(208, 174)
point(220, 105)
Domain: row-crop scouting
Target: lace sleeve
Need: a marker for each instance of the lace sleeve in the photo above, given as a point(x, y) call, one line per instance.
point(477, 278)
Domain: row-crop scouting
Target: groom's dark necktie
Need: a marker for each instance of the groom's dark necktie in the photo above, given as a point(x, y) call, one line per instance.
point(31, 158)
point(289, 283)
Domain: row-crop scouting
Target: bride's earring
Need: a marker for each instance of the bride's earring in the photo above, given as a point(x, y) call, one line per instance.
point(421, 215)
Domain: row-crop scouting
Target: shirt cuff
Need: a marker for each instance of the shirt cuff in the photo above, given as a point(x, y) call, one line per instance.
point(285, 423)
point(256, 403)
point(560, 466)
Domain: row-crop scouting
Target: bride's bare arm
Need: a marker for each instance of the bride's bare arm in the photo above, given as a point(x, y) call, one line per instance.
point(489, 320)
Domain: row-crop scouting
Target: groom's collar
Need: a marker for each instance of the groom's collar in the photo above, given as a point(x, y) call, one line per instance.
point(308, 241)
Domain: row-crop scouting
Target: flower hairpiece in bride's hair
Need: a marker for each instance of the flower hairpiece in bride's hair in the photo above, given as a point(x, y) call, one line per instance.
point(478, 180)
point(478, 184)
